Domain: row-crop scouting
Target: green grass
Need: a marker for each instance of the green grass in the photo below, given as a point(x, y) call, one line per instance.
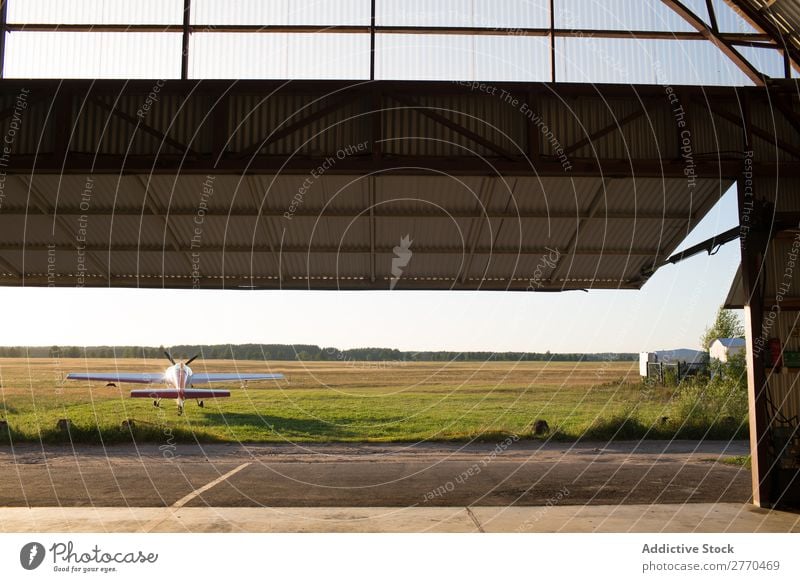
point(337, 402)
point(739, 460)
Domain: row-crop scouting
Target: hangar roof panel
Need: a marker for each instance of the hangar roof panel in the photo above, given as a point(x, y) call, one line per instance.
point(450, 237)
point(469, 213)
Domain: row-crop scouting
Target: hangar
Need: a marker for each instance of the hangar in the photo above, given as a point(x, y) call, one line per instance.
point(577, 171)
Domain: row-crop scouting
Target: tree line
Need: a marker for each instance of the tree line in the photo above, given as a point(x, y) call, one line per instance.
point(303, 352)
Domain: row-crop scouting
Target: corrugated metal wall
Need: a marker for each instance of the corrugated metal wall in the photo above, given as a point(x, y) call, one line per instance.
point(782, 285)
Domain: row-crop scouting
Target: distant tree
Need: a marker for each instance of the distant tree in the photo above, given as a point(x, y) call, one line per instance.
point(726, 324)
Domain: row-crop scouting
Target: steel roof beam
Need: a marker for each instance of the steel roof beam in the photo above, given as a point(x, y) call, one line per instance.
point(168, 228)
point(322, 282)
point(476, 224)
point(277, 134)
point(251, 212)
point(618, 124)
point(139, 124)
point(724, 166)
point(769, 136)
point(373, 231)
point(767, 24)
point(261, 218)
point(366, 29)
point(9, 268)
point(59, 223)
point(344, 250)
point(433, 114)
point(717, 40)
point(594, 205)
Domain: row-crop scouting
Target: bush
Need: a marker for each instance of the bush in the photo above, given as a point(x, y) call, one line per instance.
point(671, 376)
point(715, 407)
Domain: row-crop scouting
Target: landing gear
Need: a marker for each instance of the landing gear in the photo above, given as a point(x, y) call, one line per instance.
point(200, 404)
point(157, 403)
point(180, 409)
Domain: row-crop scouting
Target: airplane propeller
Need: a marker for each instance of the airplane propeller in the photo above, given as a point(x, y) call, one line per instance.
point(186, 363)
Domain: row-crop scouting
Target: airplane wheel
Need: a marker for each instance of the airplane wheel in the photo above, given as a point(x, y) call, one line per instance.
point(156, 404)
point(200, 404)
point(180, 411)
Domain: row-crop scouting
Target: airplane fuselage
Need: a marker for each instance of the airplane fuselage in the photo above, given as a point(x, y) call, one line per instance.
point(179, 377)
point(178, 381)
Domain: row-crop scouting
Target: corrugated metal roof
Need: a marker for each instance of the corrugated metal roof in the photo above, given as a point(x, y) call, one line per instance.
point(463, 232)
point(781, 18)
point(318, 184)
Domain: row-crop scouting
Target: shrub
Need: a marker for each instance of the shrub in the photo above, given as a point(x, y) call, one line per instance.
point(715, 407)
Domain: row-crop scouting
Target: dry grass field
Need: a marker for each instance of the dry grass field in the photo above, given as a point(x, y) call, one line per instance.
point(341, 401)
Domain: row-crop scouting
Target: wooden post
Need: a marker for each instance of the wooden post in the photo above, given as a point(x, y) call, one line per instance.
point(754, 245)
point(3, 21)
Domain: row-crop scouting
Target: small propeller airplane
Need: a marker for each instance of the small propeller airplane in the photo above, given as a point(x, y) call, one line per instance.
point(179, 379)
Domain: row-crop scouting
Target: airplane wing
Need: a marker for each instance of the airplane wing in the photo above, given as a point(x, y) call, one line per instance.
point(189, 393)
point(118, 377)
point(210, 378)
point(155, 393)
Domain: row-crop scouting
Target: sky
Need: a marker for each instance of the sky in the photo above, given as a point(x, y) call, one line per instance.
point(671, 311)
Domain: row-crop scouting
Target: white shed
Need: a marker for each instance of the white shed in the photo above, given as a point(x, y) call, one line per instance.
point(686, 356)
point(723, 348)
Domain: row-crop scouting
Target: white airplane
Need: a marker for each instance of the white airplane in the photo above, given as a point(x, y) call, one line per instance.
point(180, 382)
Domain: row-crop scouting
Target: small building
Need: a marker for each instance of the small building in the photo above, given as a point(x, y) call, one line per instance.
point(684, 361)
point(723, 348)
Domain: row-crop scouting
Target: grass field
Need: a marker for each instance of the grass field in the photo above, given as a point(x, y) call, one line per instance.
point(342, 401)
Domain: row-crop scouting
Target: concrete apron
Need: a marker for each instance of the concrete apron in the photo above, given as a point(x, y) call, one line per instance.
point(663, 518)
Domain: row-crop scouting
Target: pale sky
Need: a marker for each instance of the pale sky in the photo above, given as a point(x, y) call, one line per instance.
point(671, 310)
